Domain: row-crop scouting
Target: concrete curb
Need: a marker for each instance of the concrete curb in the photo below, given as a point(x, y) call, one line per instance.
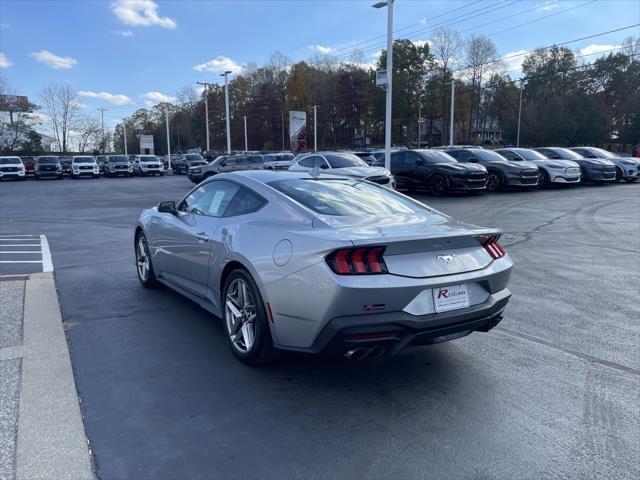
point(51, 440)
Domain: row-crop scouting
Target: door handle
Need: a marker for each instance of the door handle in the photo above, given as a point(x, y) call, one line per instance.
point(202, 236)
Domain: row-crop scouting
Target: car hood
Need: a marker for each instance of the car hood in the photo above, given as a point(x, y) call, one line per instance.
point(601, 162)
point(557, 163)
point(514, 165)
point(361, 172)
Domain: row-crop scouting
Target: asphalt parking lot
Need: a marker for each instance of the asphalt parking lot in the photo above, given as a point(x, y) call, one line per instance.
point(551, 392)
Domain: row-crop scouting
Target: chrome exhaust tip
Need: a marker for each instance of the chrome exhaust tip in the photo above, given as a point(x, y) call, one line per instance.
point(356, 354)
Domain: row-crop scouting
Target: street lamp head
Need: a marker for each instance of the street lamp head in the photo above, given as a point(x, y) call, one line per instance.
point(380, 4)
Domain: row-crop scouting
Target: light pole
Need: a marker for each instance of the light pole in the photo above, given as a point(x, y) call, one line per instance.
point(453, 103)
point(226, 107)
point(519, 116)
point(315, 128)
point(387, 117)
point(282, 120)
point(166, 117)
point(102, 145)
point(246, 142)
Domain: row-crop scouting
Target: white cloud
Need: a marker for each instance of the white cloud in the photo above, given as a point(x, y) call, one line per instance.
point(152, 98)
point(5, 25)
point(54, 61)
point(37, 117)
point(513, 60)
point(116, 99)
point(595, 48)
point(4, 61)
point(123, 33)
point(141, 13)
point(320, 49)
point(549, 5)
point(219, 64)
point(422, 21)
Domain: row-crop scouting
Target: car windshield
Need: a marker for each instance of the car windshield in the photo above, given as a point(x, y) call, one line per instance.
point(530, 154)
point(344, 160)
point(47, 160)
point(192, 157)
point(83, 160)
point(567, 154)
point(435, 156)
point(149, 158)
point(602, 153)
point(118, 158)
point(488, 155)
point(10, 161)
point(345, 197)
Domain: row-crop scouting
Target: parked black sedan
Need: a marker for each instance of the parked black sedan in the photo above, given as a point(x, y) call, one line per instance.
point(594, 170)
point(501, 172)
point(435, 170)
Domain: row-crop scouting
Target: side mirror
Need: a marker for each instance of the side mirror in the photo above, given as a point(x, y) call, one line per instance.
point(167, 207)
point(419, 161)
point(324, 166)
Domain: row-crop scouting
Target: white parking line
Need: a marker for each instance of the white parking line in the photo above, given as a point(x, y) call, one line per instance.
point(47, 264)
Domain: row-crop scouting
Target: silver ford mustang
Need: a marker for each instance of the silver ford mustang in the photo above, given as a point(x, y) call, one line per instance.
point(323, 263)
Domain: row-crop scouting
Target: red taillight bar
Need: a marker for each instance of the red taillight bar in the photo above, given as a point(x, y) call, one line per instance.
point(492, 246)
point(357, 261)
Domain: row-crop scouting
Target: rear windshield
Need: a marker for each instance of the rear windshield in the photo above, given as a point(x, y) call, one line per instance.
point(47, 160)
point(344, 160)
point(345, 197)
point(10, 161)
point(83, 160)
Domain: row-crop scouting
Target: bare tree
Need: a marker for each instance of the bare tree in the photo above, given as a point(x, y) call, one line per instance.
point(88, 133)
point(631, 46)
point(481, 53)
point(446, 45)
point(60, 103)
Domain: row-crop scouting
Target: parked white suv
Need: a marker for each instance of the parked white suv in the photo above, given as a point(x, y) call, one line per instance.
point(12, 167)
point(84, 165)
point(144, 165)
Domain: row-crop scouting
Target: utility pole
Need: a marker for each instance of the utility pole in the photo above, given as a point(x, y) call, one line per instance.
point(206, 109)
point(102, 110)
point(226, 107)
point(519, 115)
point(282, 120)
point(124, 130)
point(246, 142)
point(166, 117)
point(315, 128)
point(453, 102)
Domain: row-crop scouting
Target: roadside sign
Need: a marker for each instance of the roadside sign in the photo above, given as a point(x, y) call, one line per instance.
point(14, 103)
point(381, 78)
point(146, 144)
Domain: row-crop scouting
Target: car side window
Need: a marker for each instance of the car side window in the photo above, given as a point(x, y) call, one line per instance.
point(307, 161)
point(396, 159)
point(231, 162)
point(210, 199)
point(410, 159)
point(319, 162)
point(460, 155)
point(509, 155)
point(244, 202)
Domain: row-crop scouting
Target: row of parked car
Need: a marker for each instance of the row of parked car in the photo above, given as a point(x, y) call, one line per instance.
point(52, 166)
point(447, 169)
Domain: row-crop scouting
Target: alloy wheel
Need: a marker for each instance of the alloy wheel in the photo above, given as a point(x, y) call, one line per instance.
point(142, 259)
point(240, 315)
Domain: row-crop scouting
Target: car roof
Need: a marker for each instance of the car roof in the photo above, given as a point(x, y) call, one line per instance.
point(266, 176)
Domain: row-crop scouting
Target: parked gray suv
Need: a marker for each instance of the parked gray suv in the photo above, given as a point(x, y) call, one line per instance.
point(626, 167)
point(225, 164)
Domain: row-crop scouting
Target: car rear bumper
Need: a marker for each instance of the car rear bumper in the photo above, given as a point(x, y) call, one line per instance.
point(326, 305)
point(396, 330)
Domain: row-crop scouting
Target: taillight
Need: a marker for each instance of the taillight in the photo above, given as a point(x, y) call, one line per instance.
point(492, 246)
point(358, 261)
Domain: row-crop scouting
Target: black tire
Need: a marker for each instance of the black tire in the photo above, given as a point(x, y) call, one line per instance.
point(495, 182)
point(438, 185)
point(630, 180)
point(60, 177)
point(619, 174)
point(150, 281)
point(545, 181)
point(96, 176)
point(584, 176)
point(162, 174)
point(262, 349)
point(37, 177)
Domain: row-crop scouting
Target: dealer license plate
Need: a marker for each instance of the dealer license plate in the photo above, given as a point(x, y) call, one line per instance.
point(449, 298)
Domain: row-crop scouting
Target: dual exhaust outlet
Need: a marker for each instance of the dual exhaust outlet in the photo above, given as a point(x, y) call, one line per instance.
point(358, 354)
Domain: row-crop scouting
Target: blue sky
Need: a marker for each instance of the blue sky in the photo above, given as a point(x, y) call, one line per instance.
point(123, 54)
